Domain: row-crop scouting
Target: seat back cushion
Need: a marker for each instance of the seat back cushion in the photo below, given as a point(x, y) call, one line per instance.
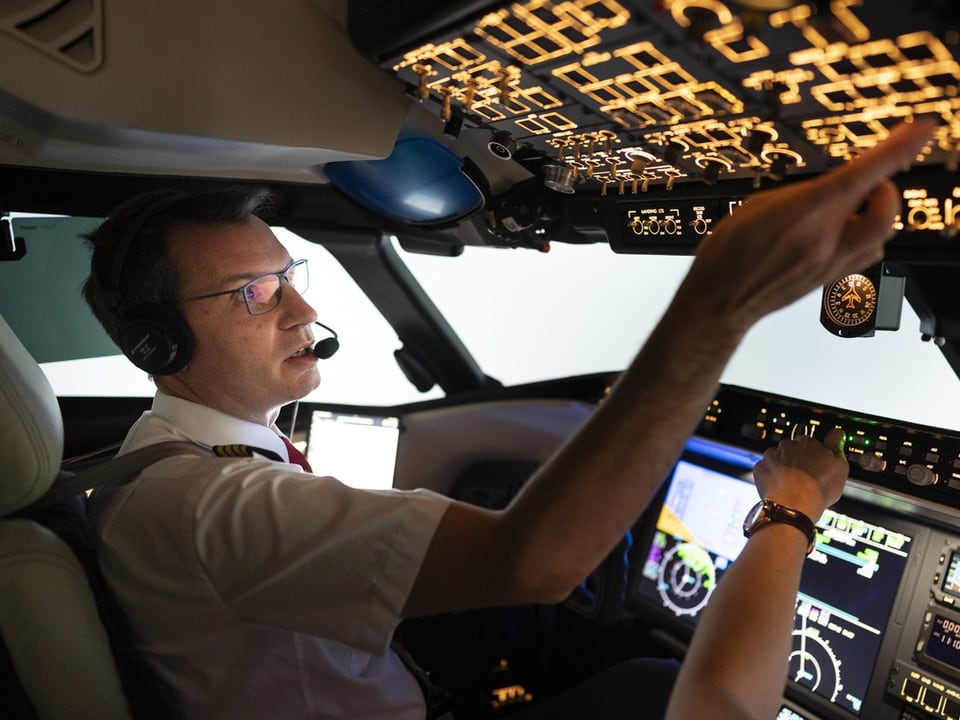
point(51, 627)
point(31, 444)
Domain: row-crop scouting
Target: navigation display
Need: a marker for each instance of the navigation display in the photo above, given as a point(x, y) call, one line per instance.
point(847, 589)
point(697, 535)
point(358, 450)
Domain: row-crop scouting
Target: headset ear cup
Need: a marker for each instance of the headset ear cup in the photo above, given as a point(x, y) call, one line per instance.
point(156, 338)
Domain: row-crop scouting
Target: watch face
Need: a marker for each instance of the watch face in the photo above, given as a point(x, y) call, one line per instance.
point(752, 516)
point(849, 305)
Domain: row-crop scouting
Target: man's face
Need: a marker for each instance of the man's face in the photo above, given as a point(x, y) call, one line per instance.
point(245, 365)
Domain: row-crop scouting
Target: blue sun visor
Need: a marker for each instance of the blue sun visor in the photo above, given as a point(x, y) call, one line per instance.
point(420, 183)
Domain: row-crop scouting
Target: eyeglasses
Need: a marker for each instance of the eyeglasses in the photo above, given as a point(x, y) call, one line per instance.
point(262, 294)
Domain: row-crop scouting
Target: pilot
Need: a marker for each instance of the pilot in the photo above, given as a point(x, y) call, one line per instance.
point(259, 590)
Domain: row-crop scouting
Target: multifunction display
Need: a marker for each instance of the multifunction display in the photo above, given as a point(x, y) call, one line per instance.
point(847, 590)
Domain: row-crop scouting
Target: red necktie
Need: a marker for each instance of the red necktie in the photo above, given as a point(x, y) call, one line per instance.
point(296, 457)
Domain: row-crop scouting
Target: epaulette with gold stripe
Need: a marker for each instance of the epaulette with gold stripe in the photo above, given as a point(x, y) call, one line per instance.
point(237, 450)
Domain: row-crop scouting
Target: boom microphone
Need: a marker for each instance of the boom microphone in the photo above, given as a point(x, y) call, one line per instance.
point(328, 346)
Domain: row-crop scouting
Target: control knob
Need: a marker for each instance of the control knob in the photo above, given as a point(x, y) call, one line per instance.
point(921, 475)
point(699, 225)
point(872, 463)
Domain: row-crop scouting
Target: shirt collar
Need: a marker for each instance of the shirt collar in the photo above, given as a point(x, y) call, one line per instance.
point(205, 425)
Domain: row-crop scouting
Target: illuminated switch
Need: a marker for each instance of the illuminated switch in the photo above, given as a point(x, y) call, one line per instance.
point(932, 457)
point(932, 700)
point(911, 690)
point(951, 709)
point(906, 450)
point(859, 438)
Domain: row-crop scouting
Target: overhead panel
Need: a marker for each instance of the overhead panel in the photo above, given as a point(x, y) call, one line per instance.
point(634, 95)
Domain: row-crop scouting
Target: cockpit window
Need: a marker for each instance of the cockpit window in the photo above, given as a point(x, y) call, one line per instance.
point(525, 316)
point(364, 371)
point(40, 292)
point(40, 299)
point(581, 308)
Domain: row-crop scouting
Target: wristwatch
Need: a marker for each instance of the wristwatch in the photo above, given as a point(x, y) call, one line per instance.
point(766, 512)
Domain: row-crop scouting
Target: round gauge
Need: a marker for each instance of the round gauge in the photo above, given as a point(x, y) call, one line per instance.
point(849, 305)
point(813, 664)
point(686, 579)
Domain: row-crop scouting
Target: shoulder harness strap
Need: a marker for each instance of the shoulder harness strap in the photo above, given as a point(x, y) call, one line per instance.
point(124, 468)
point(121, 469)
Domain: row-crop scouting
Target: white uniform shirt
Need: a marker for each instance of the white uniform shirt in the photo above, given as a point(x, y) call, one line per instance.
point(258, 590)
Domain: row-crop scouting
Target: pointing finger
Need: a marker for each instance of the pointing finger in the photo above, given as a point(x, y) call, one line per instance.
point(898, 151)
point(835, 440)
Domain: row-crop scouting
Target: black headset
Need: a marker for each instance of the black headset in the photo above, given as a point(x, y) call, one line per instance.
point(154, 336)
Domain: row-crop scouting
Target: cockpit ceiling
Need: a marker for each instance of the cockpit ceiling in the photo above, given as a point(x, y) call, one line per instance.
point(629, 96)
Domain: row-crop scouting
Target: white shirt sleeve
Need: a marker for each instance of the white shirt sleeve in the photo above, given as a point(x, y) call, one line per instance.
point(290, 549)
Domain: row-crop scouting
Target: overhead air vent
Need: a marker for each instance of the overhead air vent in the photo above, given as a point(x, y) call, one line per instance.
point(70, 31)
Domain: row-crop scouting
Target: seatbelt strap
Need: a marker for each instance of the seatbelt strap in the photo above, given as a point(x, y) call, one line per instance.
point(121, 469)
point(118, 471)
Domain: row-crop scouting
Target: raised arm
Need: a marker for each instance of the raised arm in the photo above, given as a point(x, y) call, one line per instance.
point(780, 245)
point(736, 668)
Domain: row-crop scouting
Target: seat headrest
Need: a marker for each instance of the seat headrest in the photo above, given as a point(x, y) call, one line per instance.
point(31, 440)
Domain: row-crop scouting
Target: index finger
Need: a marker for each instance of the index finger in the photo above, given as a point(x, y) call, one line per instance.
point(896, 152)
point(835, 440)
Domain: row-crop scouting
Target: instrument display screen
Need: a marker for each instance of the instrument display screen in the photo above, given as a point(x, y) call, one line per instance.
point(358, 450)
point(943, 641)
point(951, 578)
point(847, 589)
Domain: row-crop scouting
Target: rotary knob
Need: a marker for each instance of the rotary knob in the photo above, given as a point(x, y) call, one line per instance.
point(559, 178)
point(699, 226)
point(921, 475)
point(872, 463)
